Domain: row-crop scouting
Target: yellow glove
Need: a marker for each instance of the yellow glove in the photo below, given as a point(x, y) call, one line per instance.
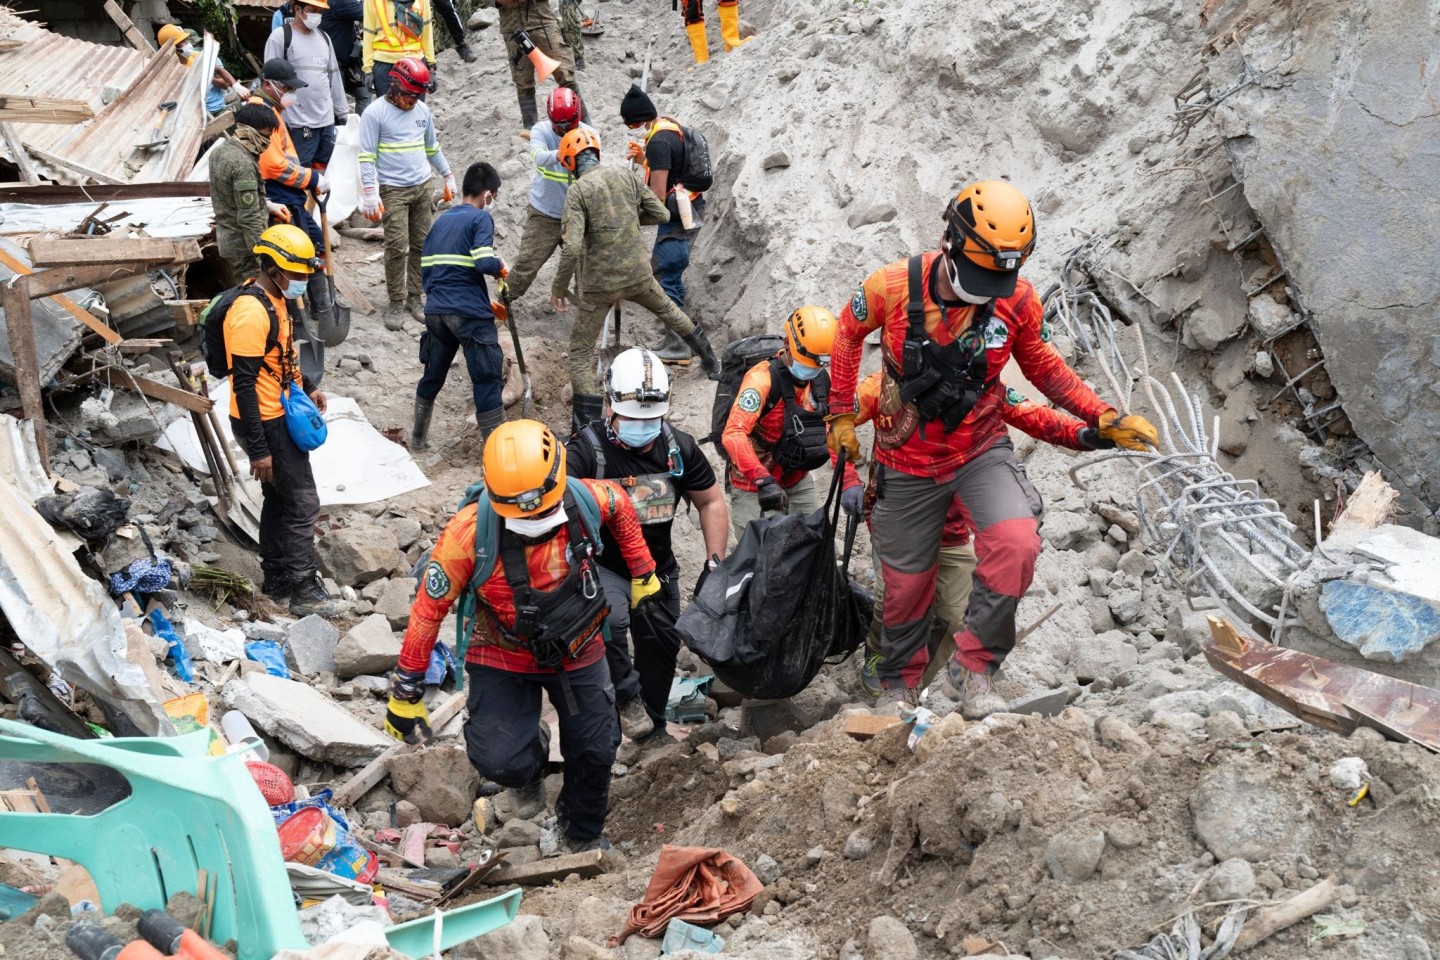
point(841, 435)
point(635, 151)
point(407, 721)
point(1132, 432)
point(642, 588)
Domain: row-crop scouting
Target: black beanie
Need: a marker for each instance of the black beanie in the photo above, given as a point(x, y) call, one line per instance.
point(636, 107)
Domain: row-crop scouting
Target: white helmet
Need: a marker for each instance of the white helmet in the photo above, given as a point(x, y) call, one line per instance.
point(638, 385)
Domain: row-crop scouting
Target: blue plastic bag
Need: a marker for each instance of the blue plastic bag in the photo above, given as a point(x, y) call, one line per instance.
point(442, 665)
point(178, 654)
point(303, 419)
point(271, 653)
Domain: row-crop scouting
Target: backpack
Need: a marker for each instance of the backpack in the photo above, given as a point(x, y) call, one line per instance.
point(212, 327)
point(735, 361)
point(697, 176)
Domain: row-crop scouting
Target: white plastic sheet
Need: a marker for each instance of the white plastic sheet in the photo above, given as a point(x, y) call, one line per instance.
point(343, 172)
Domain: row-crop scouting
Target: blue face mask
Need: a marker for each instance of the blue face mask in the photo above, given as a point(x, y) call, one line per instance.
point(295, 289)
point(801, 372)
point(637, 433)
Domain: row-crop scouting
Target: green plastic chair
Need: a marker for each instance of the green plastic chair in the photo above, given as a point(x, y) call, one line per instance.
point(190, 811)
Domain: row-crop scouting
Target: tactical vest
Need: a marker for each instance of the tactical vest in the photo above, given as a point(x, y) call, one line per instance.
point(801, 444)
point(653, 495)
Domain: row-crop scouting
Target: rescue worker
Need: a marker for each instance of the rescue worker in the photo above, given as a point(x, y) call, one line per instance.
point(775, 433)
point(729, 27)
point(320, 103)
point(541, 233)
point(662, 157)
point(657, 464)
point(395, 30)
point(398, 151)
point(222, 82)
point(236, 193)
point(533, 617)
point(950, 320)
point(288, 180)
point(537, 19)
point(459, 254)
point(602, 250)
point(451, 16)
point(957, 554)
point(260, 350)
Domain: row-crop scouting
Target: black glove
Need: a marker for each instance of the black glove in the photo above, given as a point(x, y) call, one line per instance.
point(1090, 438)
point(370, 84)
point(434, 77)
point(705, 570)
point(772, 495)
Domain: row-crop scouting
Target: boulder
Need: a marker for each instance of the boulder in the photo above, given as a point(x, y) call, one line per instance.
point(355, 555)
point(439, 780)
point(370, 647)
point(1072, 857)
point(310, 646)
point(1246, 813)
point(1102, 657)
point(523, 938)
point(889, 939)
point(394, 601)
point(1066, 531)
point(305, 720)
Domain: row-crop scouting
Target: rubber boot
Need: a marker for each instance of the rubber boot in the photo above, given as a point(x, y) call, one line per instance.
point(698, 42)
point(672, 349)
point(467, 53)
point(730, 27)
point(529, 113)
point(487, 421)
point(322, 311)
point(421, 429)
point(700, 344)
point(586, 407)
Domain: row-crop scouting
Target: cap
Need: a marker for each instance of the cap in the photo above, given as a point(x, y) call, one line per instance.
point(980, 282)
point(282, 71)
point(637, 107)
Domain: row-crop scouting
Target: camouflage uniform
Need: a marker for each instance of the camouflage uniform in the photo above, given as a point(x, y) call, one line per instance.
point(604, 211)
point(570, 19)
point(537, 19)
point(238, 197)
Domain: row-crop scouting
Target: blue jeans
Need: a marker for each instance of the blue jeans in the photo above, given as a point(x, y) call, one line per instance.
point(444, 335)
point(314, 144)
point(671, 255)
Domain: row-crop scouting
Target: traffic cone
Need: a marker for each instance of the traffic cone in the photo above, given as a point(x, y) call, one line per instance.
point(544, 66)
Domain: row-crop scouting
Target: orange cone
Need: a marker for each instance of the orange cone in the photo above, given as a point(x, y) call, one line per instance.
point(544, 66)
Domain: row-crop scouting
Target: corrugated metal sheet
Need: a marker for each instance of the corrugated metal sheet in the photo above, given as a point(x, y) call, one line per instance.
point(37, 62)
point(174, 217)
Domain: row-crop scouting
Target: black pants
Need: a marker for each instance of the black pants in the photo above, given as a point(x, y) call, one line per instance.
point(503, 742)
point(452, 20)
point(291, 507)
point(447, 333)
point(652, 670)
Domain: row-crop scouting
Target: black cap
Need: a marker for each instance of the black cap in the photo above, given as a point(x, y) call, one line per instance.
point(283, 72)
point(979, 281)
point(636, 107)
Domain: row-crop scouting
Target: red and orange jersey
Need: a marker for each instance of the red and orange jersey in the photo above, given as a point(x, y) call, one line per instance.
point(751, 430)
point(452, 562)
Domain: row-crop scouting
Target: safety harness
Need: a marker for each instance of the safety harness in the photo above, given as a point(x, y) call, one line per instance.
point(801, 444)
point(652, 494)
point(942, 382)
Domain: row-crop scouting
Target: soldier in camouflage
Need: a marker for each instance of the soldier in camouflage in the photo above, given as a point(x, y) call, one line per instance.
point(237, 192)
point(600, 228)
point(537, 19)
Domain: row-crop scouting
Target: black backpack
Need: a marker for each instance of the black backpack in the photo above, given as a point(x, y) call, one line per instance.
point(212, 327)
point(736, 361)
point(697, 176)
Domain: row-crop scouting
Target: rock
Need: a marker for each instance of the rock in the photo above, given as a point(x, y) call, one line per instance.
point(394, 601)
point(259, 630)
point(1125, 604)
point(523, 938)
point(370, 647)
point(311, 645)
point(764, 719)
point(889, 939)
point(1271, 320)
point(1224, 726)
point(483, 19)
point(1233, 879)
point(716, 97)
point(1073, 857)
point(857, 846)
point(1188, 629)
point(357, 554)
point(1101, 657)
point(778, 160)
point(874, 213)
point(814, 856)
point(1241, 812)
point(439, 780)
point(517, 833)
point(1136, 563)
point(335, 916)
point(1264, 364)
point(407, 814)
point(441, 857)
point(406, 529)
point(1119, 735)
point(1205, 328)
point(1065, 531)
point(1045, 703)
point(305, 720)
point(767, 869)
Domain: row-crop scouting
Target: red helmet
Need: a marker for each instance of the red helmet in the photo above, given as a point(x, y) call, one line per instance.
point(411, 75)
point(563, 108)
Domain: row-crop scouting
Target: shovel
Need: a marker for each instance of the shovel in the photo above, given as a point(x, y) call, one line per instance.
point(339, 312)
point(311, 347)
point(527, 401)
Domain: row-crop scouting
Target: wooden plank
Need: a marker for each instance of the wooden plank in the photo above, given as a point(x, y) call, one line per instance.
point(21, 329)
point(55, 280)
point(127, 27)
point(591, 863)
point(22, 109)
point(1372, 504)
point(157, 391)
point(373, 772)
point(71, 193)
point(218, 125)
point(186, 312)
point(74, 309)
point(418, 889)
point(56, 160)
point(351, 291)
point(82, 251)
point(17, 150)
point(863, 726)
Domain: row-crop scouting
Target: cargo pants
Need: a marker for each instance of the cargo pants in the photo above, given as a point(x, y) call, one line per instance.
point(408, 213)
point(590, 316)
point(538, 21)
point(745, 505)
point(538, 243)
point(650, 672)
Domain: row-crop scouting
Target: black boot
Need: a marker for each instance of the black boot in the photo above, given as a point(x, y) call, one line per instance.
point(309, 597)
point(421, 429)
point(584, 108)
point(528, 111)
point(487, 421)
point(698, 342)
point(466, 53)
point(586, 408)
point(672, 349)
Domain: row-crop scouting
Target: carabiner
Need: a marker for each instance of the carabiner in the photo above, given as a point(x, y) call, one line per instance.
point(589, 583)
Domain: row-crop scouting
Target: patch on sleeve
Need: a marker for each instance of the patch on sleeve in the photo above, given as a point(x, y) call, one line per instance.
point(749, 400)
point(1046, 334)
point(1014, 397)
point(248, 199)
point(437, 581)
point(859, 305)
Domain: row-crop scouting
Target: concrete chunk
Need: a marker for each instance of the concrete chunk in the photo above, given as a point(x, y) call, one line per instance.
point(311, 645)
point(370, 647)
point(305, 720)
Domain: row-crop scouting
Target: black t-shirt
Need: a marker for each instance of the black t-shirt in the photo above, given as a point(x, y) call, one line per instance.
point(666, 151)
point(620, 463)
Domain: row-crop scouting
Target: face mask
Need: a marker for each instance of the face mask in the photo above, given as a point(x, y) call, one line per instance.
point(802, 372)
point(295, 289)
point(287, 100)
point(536, 526)
point(185, 51)
point(312, 20)
point(637, 433)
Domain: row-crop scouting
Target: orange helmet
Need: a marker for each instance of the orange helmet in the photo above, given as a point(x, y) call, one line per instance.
point(524, 469)
point(989, 234)
point(810, 336)
point(576, 142)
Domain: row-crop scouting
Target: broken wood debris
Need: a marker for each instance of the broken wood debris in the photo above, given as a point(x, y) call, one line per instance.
point(373, 772)
point(590, 863)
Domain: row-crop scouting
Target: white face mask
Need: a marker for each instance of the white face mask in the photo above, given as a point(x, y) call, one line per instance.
point(186, 50)
point(287, 100)
point(312, 20)
point(536, 526)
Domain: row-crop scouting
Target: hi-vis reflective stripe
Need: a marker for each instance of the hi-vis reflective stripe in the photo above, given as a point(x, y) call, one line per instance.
point(406, 146)
point(431, 151)
point(480, 253)
point(448, 260)
point(366, 158)
point(556, 175)
point(387, 37)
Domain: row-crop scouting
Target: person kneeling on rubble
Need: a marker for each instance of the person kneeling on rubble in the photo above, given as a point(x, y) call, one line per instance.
point(521, 558)
point(656, 464)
